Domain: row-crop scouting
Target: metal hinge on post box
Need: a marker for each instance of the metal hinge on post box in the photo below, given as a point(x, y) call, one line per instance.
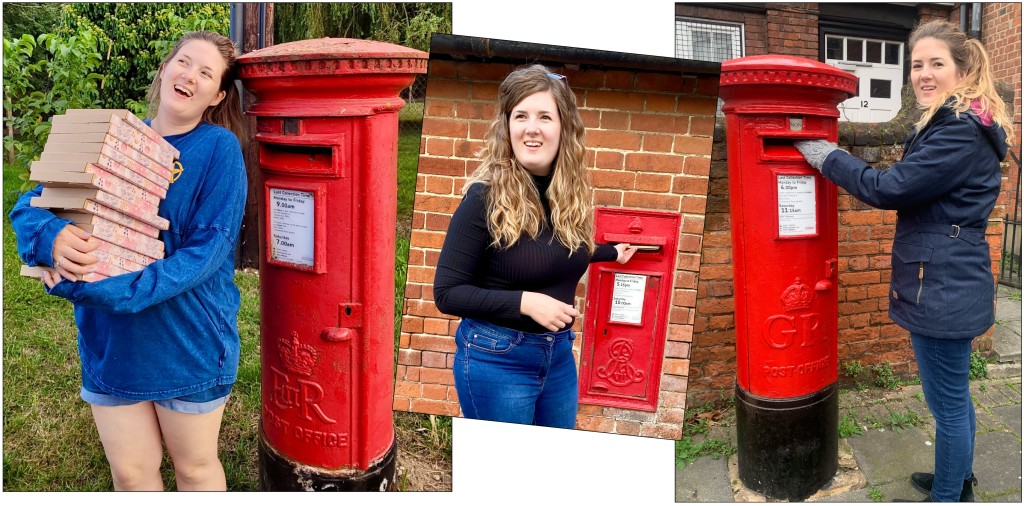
point(350, 318)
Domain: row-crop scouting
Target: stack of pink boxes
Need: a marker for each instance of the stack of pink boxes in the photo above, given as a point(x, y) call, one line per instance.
point(106, 171)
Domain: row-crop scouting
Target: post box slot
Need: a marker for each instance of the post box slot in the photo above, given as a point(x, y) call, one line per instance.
point(634, 239)
point(776, 148)
point(298, 159)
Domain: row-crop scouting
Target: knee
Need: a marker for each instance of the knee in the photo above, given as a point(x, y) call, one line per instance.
point(136, 476)
point(198, 473)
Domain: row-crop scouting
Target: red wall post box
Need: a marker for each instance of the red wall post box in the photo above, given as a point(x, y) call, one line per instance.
point(327, 129)
point(627, 310)
point(784, 240)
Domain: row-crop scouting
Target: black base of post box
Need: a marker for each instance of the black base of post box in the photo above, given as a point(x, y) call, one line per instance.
point(787, 448)
point(278, 473)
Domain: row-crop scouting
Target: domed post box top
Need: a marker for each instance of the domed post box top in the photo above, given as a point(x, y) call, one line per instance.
point(329, 77)
point(780, 77)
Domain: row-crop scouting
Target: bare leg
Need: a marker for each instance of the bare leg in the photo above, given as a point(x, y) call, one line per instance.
point(192, 442)
point(131, 441)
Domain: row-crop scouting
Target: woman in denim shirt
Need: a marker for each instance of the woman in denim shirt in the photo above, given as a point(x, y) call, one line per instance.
point(159, 347)
point(944, 188)
point(515, 250)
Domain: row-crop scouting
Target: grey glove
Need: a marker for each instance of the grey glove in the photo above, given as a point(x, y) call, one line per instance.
point(815, 151)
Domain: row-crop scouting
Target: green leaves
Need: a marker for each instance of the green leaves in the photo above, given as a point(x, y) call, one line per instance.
point(102, 55)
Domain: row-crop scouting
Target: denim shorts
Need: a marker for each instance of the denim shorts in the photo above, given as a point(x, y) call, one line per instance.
point(198, 403)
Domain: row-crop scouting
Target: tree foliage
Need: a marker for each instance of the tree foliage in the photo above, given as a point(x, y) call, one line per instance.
point(101, 55)
point(29, 18)
point(407, 24)
point(135, 38)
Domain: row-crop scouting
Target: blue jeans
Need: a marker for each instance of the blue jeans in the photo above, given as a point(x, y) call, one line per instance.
point(506, 375)
point(944, 366)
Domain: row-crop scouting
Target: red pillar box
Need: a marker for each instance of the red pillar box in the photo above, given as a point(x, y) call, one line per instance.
point(784, 240)
point(327, 128)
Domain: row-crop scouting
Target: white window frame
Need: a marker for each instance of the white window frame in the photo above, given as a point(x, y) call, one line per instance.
point(694, 25)
point(857, 109)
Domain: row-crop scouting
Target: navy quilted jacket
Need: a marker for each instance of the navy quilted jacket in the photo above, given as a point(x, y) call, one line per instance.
point(943, 189)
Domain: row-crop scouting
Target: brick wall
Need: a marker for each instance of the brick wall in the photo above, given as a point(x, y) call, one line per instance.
point(792, 29)
point(649, 137)
point(1001, 33)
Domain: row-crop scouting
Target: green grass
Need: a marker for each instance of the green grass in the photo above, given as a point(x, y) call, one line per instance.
point(49, 439)
point(695, 443)
point(848, 426)
point(408, 159)
point(979, 366)
point(874, 494)
point(899, 421)
point(885, 377)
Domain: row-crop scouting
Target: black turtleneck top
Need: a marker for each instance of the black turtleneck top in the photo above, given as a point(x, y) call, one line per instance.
point(475, 280)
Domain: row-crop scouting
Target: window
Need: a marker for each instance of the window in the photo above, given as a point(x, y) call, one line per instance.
point(878, 65)
point(698, 39)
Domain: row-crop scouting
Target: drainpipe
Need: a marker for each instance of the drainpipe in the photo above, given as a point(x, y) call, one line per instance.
point(975, 21)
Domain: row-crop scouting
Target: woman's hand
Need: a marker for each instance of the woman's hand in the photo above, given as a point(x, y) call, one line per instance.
point(550, 312)
point(72, 254)
point(50, 280)
point(625, 252)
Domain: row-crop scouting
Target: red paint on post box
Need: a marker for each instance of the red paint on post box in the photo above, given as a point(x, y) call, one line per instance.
point(784, 222)
point(327, 130)
point(627, 310)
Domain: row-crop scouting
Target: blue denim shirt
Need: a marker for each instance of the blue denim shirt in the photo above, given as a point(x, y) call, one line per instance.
point(170, 329)
point(942, 284)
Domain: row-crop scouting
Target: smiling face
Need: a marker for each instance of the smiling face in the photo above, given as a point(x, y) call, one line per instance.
point(190, 82)
point(932, 70)
point(535, 129)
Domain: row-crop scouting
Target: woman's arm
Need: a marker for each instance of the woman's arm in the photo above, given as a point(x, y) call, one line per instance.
point(939, 164)
point(36, 229)
point(208, 241)
point(464, 245)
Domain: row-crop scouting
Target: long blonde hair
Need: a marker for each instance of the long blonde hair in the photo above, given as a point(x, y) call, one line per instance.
point(971, 60)
point(514, 206)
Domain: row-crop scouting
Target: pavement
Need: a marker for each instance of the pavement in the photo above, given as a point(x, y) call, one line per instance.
point(898, 436)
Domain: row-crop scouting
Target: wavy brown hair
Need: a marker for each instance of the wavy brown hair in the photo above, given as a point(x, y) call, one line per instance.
point(228, 113)
point(513, 203)
point(972, 64)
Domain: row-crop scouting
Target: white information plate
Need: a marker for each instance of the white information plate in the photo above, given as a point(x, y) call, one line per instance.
point(797, 206)
point(291, 226)
point(628, 298)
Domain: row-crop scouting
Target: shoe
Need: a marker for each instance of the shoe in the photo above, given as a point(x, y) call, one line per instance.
point(923, 483)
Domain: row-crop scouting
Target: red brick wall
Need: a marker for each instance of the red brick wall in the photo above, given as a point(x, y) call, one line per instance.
point(793, 29)
point(1001, 33)
point(649, 139)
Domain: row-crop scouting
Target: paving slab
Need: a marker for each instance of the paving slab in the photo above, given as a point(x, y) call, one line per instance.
point(1009, 416)
point(997, 462)
point(888, 491)
point(886, 456)
point(704, 480)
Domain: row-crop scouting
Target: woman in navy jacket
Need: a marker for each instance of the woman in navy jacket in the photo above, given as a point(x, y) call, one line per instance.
point(944, 188)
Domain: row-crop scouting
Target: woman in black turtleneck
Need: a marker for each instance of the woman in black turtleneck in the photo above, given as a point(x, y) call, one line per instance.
point(516, 247)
